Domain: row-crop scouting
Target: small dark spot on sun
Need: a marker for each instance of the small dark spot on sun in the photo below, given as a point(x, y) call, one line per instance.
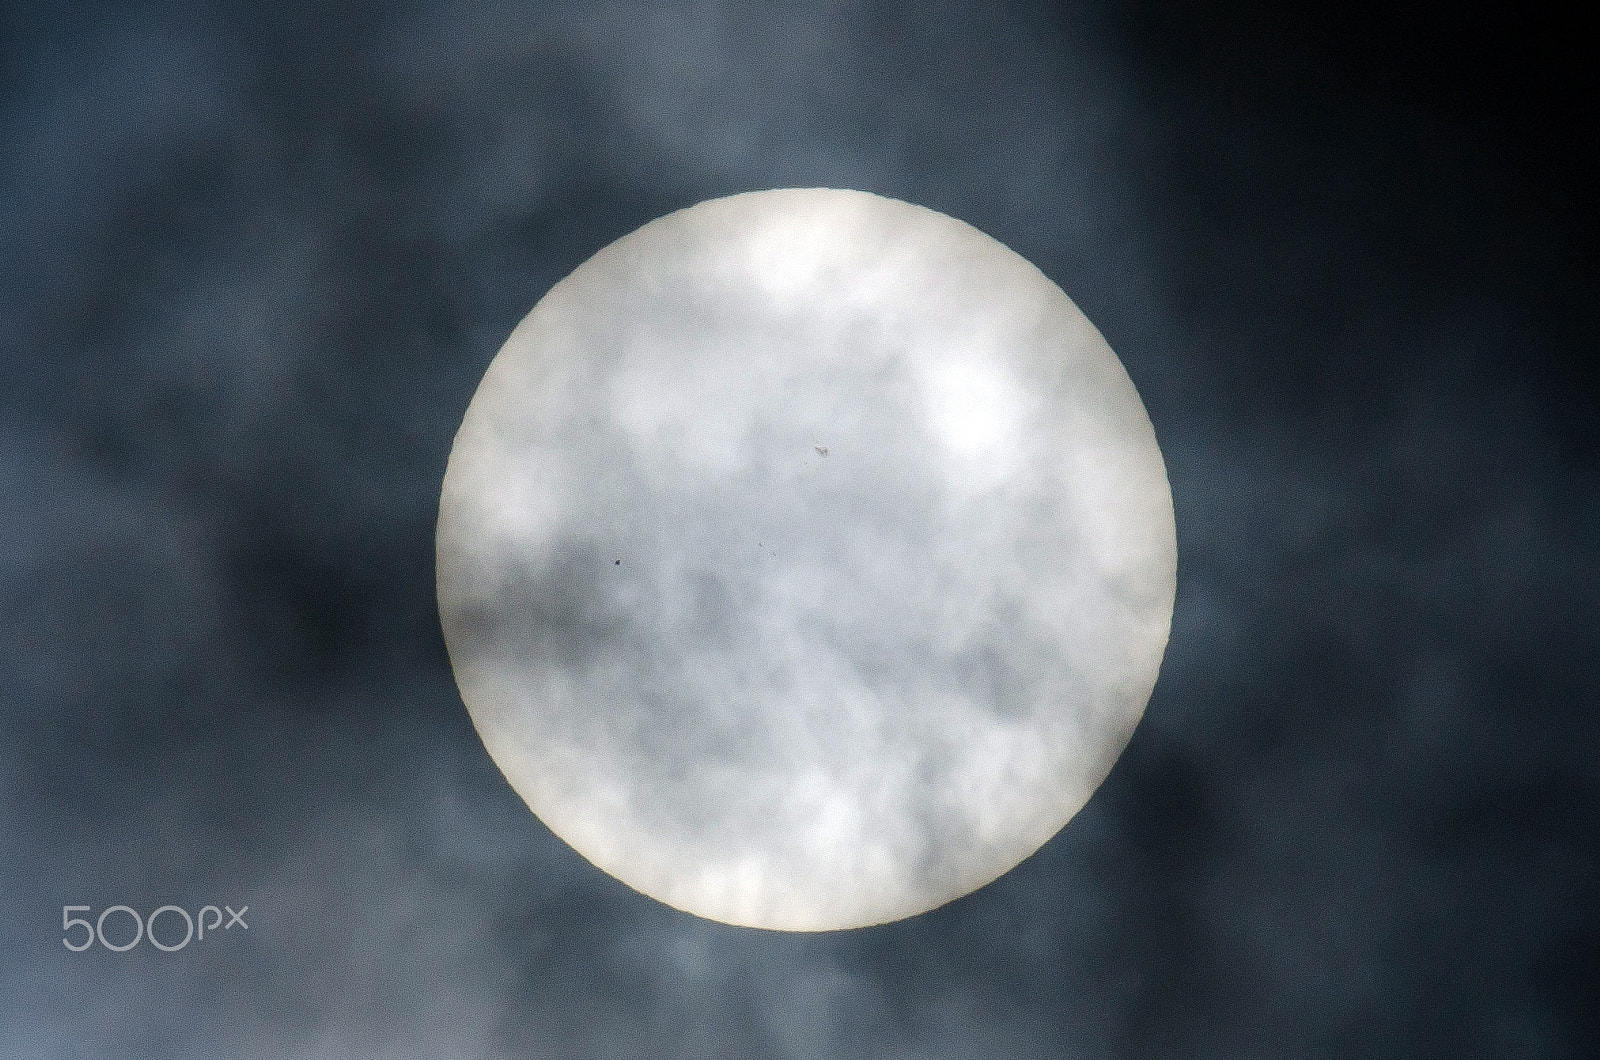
point(617, 561)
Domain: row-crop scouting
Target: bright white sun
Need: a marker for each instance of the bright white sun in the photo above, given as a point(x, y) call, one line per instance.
point(806, 559)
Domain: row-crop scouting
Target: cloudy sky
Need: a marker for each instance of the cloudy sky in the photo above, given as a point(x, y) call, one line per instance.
point(254, 260)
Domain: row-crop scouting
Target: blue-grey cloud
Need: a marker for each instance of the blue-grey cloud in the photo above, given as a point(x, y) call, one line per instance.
point(253, 262)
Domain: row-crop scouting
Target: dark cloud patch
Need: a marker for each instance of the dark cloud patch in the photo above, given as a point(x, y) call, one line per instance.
point(1388, 182)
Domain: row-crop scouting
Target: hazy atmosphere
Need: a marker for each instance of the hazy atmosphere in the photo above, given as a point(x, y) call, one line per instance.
point(254, 261)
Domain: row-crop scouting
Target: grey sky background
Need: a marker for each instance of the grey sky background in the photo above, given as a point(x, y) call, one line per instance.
point(254, 260)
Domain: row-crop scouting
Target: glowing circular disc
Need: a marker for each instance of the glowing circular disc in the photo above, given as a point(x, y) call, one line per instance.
point(805, 559)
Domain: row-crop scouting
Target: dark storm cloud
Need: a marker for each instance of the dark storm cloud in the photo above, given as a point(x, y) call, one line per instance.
point(252, 265)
